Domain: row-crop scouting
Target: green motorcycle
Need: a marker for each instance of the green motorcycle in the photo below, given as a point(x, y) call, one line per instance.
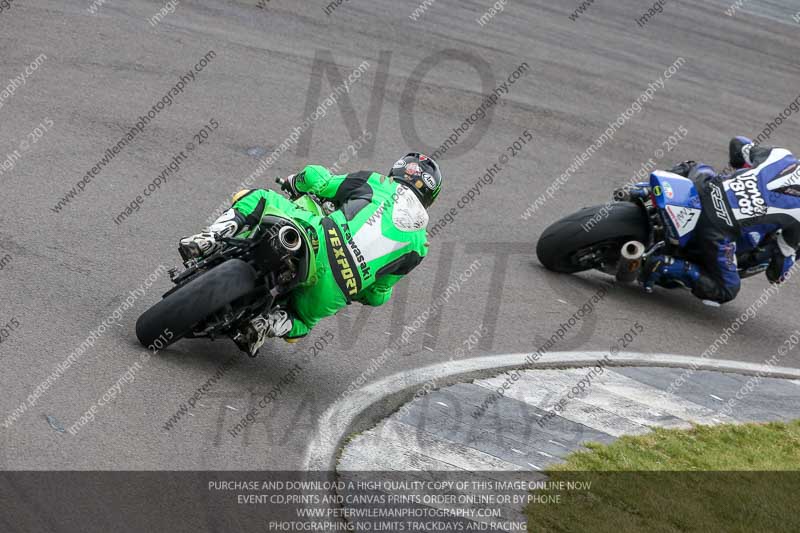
point(216, 296)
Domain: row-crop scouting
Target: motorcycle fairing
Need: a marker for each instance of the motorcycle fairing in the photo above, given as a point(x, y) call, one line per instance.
point(307, 203)
point(677, 199)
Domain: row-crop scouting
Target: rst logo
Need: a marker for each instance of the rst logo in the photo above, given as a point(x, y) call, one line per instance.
point(719, 203)
point(748, 196)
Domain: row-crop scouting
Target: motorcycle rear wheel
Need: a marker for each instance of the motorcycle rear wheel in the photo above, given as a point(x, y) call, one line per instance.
point(566, 247)
point(205, 295)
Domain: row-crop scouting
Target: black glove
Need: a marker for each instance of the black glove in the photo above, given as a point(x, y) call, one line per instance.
point(288, 184)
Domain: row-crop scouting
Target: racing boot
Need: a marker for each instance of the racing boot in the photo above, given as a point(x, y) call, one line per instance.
point(205, 243)
point(668, 272)
point(252, 337)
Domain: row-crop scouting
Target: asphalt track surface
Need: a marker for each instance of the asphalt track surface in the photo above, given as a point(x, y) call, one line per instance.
point(71, 269)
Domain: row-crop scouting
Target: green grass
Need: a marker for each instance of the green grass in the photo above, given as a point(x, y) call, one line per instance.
point(730, 478)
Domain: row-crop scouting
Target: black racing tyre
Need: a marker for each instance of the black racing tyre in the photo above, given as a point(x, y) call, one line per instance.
point(181, 310)
point(565, 244)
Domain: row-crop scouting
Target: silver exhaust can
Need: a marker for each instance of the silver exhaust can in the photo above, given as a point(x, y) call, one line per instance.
point(289, 238)
point(630, 261)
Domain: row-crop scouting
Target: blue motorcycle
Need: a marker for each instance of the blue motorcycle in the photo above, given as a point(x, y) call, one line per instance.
point(616, 238)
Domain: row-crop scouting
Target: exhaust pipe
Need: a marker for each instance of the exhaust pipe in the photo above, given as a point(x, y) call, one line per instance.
point(289, 238)
point(630, 262)
point(622, 195)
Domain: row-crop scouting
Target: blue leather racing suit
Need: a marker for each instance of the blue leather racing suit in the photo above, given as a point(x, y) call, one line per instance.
point(758, 202)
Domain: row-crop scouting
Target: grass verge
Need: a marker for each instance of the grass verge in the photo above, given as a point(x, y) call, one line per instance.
point(732, 478)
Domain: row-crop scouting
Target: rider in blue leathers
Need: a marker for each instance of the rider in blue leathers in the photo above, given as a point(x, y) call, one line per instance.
point(760, 201)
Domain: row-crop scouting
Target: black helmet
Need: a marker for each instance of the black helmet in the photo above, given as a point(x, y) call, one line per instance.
point(421, 174)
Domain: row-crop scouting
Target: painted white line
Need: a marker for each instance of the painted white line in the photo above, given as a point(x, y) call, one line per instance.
point(443, 404)
point(539, 392)
point(534, 466)
point(429, 349)
point(409, 449)
point(544, 454)
point(517, 451)
point(669, 403)
point(365, 406)
point(716, 397)
point(630, 407)
point(558, 444)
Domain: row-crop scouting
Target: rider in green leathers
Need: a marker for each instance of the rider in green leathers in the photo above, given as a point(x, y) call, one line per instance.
point(375, 237)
